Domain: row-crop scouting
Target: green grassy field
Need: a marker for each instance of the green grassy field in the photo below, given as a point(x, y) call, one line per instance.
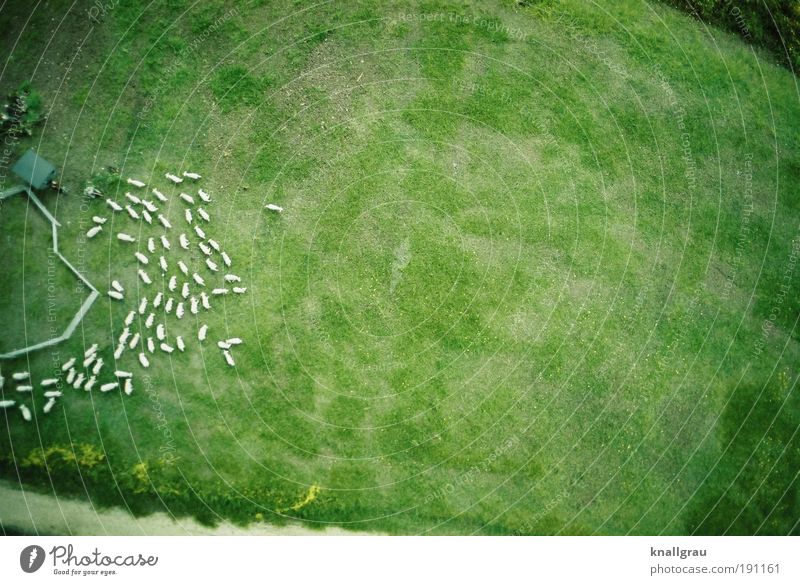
point(536, 272)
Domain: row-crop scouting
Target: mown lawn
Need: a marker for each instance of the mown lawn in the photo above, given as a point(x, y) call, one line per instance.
point(536, 273)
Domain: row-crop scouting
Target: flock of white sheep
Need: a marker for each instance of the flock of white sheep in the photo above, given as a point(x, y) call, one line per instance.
point(146, 326)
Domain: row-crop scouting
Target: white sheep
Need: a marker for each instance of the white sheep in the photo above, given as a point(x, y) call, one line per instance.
point(26, 412)
point(202, 332)
point(219, 291)
point(187, 214)
point(132, 212)
point(184, 241)
point(204, 300)
point(68, 364)
point(142, 305)
point(90, 384)
point(173, 283)
point(123, 237)
point(179, 311)
point(151, 245)
point(145, 278)
point(117, 286)
point(168, 306)
point(122, 374)
point(129, 318)
point(160, 195)
point(118, 352)
point(167, 348)
point(133, 199)
point(149, 321)
point(149, 206)
point(135, 183)
point(2, 382)
point(232, 278)
point(147, 217)
point(98, 365)
point(204, 196)
point(134, 340)
point(141, 258)
point(94, 231)
point(128, 387)
point(193, 176)
point(205, 249)
point(194, 306)
point(89, 360)
point(165, 242)
point(157, 300)
point(212, 266)
point(49, 405)
point(185, 290)
point(198, 279)
point(71, 375)
point(114, 205)
point(20, 376)
point(203, 214)
point(99, 220)
point(239, 290)
point(78, 381)
point(151, 345)
point(226, 259)
point(188, 198)
point(173, 178)
point(273, 207)
point(48, 382)
point(214, 244)
point(179, 342)
point(91, 350)
point(161, 334)
point(7, 403)
point(164, 221)
point(143, 360)
point(183, 268)
point(163, 263)
point(228, 357)
point(199, 231)
point(115, 295)
point(53, 394)
point(124, 336)
point(25, 388)
point(223, 345)
point(108, 387)
point(234, 341)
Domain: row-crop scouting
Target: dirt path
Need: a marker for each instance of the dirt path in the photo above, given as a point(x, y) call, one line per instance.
point(34, 513)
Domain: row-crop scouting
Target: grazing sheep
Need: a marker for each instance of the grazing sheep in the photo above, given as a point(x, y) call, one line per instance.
point(184, 241)
point(203, 214)
point(149, 321)
point(188, 198)
point(179, 311)
point(145, 278)
point(147, 217)
point(25, 388)
point(143, 360)
point(199, 231)
point(212, 266)
point(115, 295)
point(123, 374)
point(205, 249)
point(187, 213)
point(160, 195)
point(183, 268)
point(204, 196)
point(166, 348)
point(26, 412)
point(226, 259)
point(53, 394)
point(118, 351)
point(194, 306)
point(78, 382)
point(202, 332)
point(142, 305)
point(49, 405)
point(185, 290)
point(173, 178)
point(47, 383)
point(204, 300)
point(132, 212)
point(157, 300)
point(113, 205)
point(90, 384)
point(123, 337)
point(193, 176)
point(141, 258)
point(2, 382)
point(134, 340)
point(228, 357)
point(117, 286)
point(151, 345)
point(135, 183)
point(94, 231)
point(7, 403)
point(89, 360)
point(163, 263)
point(214, 244)
point(232, 278)
point(161, 334)
point(219, 291)
point(151, 245)
point(68, 364)
point(71, 375)
point(98, 365)
point(165, 242)
point(234, 341)
point(122, 237)
point(198, 279)
point(129, 318)
point(239, 290)
point(99, 220)
point(164, 221)
point(168, 306)
point(133, 199)
point(179, 342)
point(273, 207)
point(108, 387)
point(149, 206)
point(92, 350)
point(173, 283)
point(128, 387)
point(223, 345)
